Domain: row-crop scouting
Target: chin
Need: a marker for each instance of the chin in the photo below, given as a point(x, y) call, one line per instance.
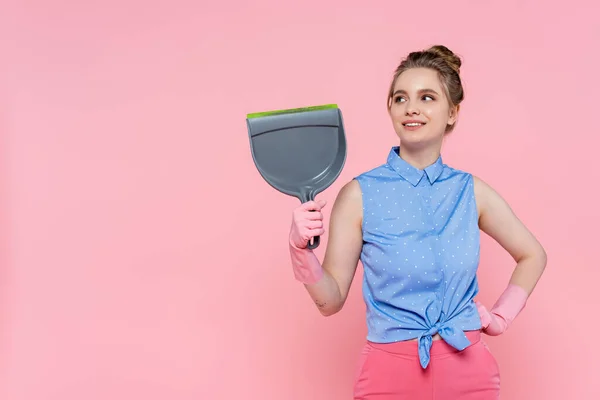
point(414, 137)
point(419, 137)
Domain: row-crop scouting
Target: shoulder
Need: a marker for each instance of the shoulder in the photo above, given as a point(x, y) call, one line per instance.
point(452, 172)
point(482, 189)
point(351, 191)
point(485, 195)
point(347, 207)
point(479, 184)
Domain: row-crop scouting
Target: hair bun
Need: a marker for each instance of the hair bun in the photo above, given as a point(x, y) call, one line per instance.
point(447, 55)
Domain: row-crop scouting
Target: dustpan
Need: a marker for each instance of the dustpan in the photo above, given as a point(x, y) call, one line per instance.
point(300, 152)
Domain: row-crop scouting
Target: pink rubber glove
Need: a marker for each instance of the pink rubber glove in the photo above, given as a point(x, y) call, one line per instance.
point(307, 222)
point(500, 317)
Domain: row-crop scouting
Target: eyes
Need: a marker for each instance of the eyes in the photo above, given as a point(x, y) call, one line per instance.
point(425, 97)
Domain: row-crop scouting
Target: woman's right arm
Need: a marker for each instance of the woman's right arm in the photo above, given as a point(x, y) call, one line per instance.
point(329, 283)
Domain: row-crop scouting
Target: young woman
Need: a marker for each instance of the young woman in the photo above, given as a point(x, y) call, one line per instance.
point(414, 223)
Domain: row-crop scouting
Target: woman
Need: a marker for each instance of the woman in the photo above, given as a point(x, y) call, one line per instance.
point(414, 223)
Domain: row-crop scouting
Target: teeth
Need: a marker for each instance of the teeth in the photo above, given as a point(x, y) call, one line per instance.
point(414, 124)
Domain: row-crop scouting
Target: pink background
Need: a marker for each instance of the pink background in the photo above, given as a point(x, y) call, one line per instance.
point(140, 261)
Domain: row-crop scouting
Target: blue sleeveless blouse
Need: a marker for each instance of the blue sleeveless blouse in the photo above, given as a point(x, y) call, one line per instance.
point(420, 253)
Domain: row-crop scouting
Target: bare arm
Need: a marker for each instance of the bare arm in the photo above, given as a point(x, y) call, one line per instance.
point(343, 251)
point(497, 219)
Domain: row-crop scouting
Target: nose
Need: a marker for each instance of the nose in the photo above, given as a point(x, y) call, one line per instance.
point(411, 109)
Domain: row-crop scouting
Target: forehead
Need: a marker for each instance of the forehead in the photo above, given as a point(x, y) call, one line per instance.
point(415, 79)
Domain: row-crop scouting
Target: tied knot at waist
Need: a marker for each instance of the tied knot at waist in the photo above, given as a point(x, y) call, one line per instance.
point(448, 331)
point(433, 330)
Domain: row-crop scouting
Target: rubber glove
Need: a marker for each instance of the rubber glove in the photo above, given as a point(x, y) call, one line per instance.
point(307, 222)
point(497, 320)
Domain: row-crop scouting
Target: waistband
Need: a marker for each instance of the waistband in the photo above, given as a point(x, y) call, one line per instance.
point(411, 348)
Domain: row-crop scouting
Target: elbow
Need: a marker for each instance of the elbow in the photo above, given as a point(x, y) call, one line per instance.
point(537, 257)
point(534, 255)
point(331, 310)
point(543, 258)
point(541, 255)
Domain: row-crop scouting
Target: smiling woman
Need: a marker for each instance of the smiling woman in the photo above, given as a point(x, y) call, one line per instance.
point(414, 223)
point(426, 92)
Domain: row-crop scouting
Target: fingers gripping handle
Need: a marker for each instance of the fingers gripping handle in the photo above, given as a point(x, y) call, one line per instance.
point(307, 196)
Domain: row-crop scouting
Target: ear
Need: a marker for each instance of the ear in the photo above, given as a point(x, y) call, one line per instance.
point(453, 115)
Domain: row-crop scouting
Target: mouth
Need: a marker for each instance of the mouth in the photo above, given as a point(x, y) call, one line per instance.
point(413, 125)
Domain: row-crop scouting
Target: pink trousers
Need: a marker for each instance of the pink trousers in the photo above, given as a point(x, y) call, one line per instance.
point(392, 371)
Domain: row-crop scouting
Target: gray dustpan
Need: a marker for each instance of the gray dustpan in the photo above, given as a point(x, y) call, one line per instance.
point(300, 152)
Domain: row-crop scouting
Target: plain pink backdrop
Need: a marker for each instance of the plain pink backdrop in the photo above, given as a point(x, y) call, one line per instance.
point(143, 256)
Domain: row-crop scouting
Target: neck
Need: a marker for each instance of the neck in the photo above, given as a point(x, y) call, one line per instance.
point(420, 158)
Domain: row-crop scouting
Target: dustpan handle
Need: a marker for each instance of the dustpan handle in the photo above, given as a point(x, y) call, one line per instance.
point(305, 196)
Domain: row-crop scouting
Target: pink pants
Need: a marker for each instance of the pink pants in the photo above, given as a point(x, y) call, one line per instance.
point(392, 371)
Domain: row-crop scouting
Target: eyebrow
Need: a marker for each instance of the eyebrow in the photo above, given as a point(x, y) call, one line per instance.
point(400, 91)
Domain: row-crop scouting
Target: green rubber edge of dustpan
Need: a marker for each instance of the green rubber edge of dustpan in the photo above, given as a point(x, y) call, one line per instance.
point(290, 110)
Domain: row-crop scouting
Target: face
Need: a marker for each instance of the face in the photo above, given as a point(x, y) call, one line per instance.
point(420, 111)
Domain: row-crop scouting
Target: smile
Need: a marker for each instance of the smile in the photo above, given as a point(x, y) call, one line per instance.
point(413, 126)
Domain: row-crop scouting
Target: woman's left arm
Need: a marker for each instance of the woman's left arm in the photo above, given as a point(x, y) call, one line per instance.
point(497, 219)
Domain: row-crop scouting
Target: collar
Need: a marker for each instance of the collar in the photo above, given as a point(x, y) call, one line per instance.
point(411, 173)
